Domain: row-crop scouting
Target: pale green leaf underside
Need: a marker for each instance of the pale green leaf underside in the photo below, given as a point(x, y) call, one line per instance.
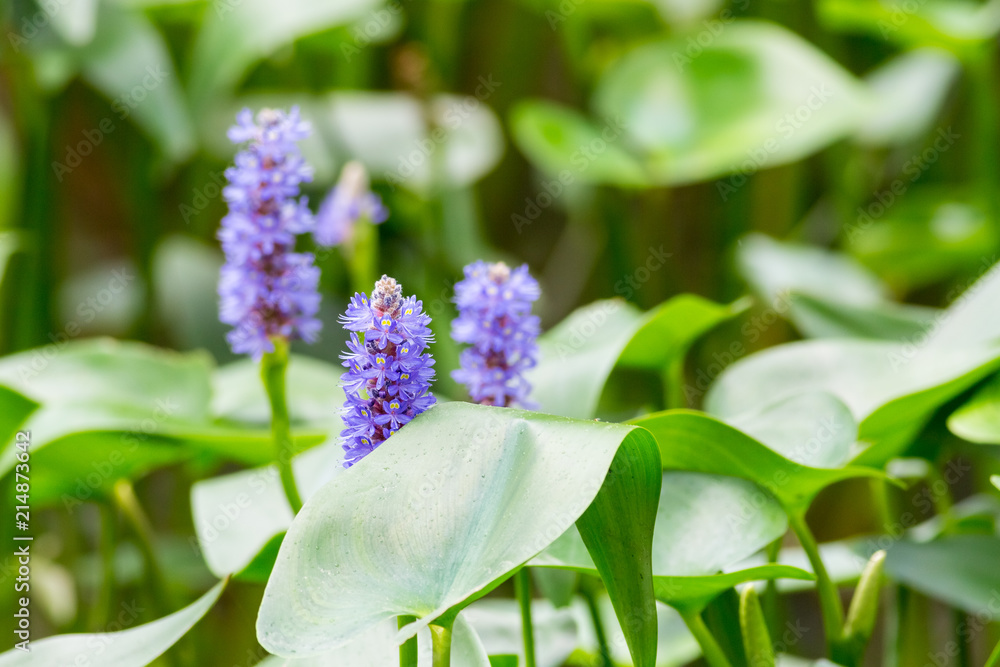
point(453, 504)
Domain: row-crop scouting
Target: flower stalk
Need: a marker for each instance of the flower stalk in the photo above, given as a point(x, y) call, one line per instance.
point(272, 371)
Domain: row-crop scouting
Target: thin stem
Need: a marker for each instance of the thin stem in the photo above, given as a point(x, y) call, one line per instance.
point(441, 644)
point(673, 384)
point(272, 372)
point(829, 598)
point(522, 589)
point(408, 649)
point(771, 591)
point(99, 612)
point(362, 256)
point(124, 498)
point(603, 649)
point(710, 648)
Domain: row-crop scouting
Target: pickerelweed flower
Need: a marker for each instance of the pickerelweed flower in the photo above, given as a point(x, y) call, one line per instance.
point(389, 371)
point(265, 288)
point(348, 202)
point(494, 317)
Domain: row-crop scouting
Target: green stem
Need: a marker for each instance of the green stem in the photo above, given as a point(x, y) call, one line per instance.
point(272, 372)
point(99, 612)
point(673, 384)
point(710, 648)
point(829, 598)
point(771, 591)
point(125, 500)
point(362, 256)
point(522, 589)
point(441, 644)
point(408, 649)
point(604, 651)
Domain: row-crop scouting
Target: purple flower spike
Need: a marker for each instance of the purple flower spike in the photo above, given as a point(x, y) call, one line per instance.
point(349, 202)
point(389, 371)
point(494, 317)
point(265, 288)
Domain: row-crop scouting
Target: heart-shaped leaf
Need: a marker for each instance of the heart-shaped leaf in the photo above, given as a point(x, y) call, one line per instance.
point(135, 647)
point(704, 524)
point(756, 96)
point(892, 389)
point(696, 442)
point(578, 355)
point(454, 504)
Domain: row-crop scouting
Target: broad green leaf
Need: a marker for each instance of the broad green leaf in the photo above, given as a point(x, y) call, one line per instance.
point(704, 524)
point(892, 389)
point(377, 648)
point(755, 97)
point(578, 355)
point(813, 429)
point(497, 622)
point(956, 26)
point(927, 235)
point(390, 134)
point(236, 34)
point(959, 570)
point(819, 317)
point(564, 143)
point(909, 92)
point(128, 61)
point(978, 420)
point(774, 268)
point(108, 372)
point(696, 442)
point(135, 647)
point(236, 517)
point(824, 293)
point(14, 409)
point(452, 506)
